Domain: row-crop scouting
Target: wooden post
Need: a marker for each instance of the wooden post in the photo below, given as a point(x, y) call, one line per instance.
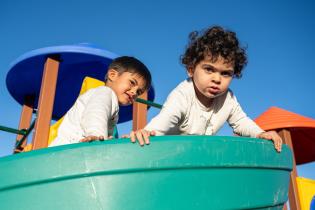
point(46, 103)
point(25, 119)
point(293, 190)
point(139, 113)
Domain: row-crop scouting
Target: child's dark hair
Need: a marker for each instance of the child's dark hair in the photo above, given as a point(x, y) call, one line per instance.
point(215, 42)
point(132, 65)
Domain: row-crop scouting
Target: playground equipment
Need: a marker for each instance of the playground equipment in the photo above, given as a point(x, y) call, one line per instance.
point(174, 172)
point(298, 132)
point(52, 79)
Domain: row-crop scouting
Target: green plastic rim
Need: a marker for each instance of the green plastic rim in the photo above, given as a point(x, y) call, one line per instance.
point(173, 172)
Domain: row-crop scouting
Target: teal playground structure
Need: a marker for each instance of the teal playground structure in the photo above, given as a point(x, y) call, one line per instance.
point(174, 172)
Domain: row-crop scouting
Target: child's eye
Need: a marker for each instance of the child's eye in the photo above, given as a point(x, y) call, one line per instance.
point(139, 92)
point(227, 73)
point(209, 69)
point(133, 83)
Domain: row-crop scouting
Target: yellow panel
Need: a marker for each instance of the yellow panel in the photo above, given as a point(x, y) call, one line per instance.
point(306, 189)
point(88, 83)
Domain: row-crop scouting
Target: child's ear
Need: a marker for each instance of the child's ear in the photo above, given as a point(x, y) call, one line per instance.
point(190, 71)
point(112, 74)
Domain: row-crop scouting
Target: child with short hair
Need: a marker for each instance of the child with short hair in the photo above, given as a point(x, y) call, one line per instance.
point(95, 113)
point(201, 104)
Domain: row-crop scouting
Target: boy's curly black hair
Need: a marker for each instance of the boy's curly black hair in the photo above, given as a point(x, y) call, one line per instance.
point(215, 42)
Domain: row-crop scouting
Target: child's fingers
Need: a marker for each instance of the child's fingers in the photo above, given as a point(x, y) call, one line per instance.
point(278, 143)
point(88, 139)
point(139, 136)
point(272, 135)
point(152, 133)
point(94, 138)
point(266, 136)
point(125, 136)
point(133, 137)
point(277, 140)
point(277, 146)
point(146, 135)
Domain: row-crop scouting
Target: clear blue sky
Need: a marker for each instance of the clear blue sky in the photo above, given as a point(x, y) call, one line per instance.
point(279, 36)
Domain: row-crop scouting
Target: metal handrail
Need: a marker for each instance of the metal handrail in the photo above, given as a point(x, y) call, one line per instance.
point(149, 103)
point(28, 131)
point(12, 130)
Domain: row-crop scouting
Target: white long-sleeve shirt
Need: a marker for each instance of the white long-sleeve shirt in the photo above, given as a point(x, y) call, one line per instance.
point(94, 113)
point(183, 113)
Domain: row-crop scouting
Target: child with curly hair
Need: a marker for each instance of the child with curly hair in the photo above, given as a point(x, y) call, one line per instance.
point(201, 104)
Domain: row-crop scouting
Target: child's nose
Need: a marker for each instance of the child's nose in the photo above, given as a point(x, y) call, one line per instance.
point(133, 91)
point(216, 77)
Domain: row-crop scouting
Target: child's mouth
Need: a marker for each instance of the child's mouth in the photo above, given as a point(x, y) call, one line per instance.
point(214, 90)
point(130, 99)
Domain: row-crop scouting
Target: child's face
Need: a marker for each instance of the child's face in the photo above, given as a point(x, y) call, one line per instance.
point(211, 79)
point(127, 86)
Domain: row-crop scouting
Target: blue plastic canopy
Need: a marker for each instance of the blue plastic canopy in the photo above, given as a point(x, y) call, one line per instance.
point(77, 61)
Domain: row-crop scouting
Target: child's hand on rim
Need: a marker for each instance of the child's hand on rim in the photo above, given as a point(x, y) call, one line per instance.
point(94, 138)
point(141, 135)
point(273, 136)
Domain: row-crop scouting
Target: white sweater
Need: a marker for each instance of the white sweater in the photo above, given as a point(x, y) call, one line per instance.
point(94, 113)
point(182, 113)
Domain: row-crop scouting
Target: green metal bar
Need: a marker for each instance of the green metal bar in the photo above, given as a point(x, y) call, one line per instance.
point(28, 131)
point(115, 133)
point(149, 103)
point(12, 130)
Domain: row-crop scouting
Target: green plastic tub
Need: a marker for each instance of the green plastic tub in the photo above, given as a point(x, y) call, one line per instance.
point(173, 172)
